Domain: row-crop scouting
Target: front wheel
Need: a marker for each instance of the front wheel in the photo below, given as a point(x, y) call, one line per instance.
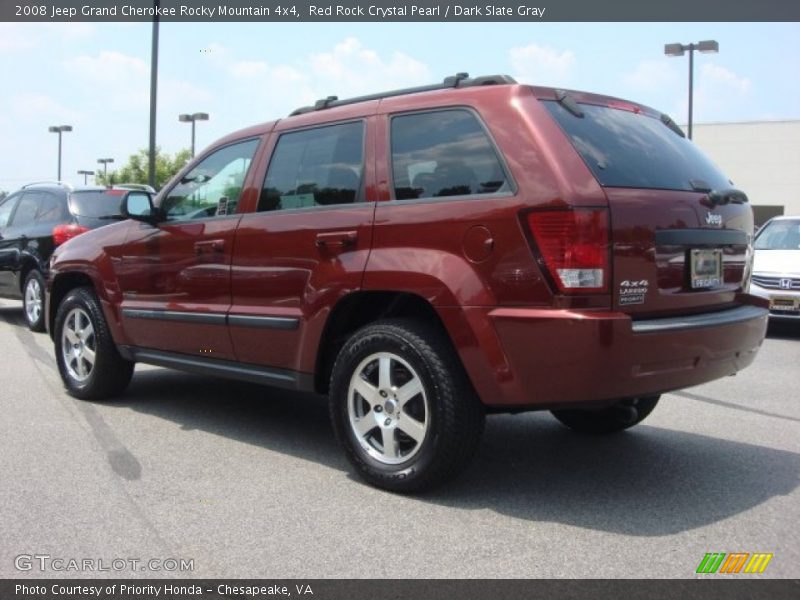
point(33, 300)
point(88, 361)
point(611, 419)
point(402, 407)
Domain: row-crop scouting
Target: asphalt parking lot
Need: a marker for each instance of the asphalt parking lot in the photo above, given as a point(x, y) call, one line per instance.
point(249, 482)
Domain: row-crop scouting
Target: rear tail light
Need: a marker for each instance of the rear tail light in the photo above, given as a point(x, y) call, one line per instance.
point(574, 246)
point(62, 233)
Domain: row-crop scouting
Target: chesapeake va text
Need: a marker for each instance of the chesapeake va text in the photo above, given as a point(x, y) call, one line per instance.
point(166, 589)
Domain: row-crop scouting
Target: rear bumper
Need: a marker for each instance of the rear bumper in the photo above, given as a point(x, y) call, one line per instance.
point(542, 358)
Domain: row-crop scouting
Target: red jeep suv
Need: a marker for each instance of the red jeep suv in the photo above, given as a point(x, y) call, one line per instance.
point(425, 256)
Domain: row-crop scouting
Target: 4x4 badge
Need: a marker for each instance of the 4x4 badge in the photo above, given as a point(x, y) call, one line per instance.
point(712, 219)
point(632, 292)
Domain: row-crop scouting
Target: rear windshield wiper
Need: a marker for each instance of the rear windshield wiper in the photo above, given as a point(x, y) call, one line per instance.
point(667, 120)
point(728, 196)
point(568, 103)
point(111, 217)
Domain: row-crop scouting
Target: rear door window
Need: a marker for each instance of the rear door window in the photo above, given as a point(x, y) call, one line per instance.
point(315, 167)
point(624, 148)
point(444, 153)
point(51, 209)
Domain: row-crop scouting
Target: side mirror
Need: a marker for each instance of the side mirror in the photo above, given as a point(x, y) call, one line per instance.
point(139, 206)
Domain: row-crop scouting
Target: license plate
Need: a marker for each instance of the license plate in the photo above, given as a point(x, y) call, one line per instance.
point(705, 268)
point(788, 304)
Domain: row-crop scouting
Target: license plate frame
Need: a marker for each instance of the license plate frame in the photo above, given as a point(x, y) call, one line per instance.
point(784, 304)
point(705, 268)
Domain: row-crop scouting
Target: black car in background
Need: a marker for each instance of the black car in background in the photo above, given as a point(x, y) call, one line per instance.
point(36, 219)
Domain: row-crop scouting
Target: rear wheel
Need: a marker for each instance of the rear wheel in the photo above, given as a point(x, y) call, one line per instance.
point(402, 407)
point(611, 419)
point(33, 300)
point(88, 361)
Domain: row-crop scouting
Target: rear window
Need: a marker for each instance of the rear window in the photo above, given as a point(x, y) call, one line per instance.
point(628, 149)
point(444, 153)
point(96, 203)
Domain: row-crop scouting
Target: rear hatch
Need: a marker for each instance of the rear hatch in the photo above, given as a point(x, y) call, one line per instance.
point(680, 233)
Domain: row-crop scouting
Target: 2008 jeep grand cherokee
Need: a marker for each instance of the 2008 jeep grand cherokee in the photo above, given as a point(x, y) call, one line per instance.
point(424, 256)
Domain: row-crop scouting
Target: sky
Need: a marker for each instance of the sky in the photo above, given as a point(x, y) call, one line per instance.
point(95, 76)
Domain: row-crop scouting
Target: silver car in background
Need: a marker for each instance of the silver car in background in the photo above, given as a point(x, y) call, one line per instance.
point(776, 267)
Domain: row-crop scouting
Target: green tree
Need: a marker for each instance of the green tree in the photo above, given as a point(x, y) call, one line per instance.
point(135, 170)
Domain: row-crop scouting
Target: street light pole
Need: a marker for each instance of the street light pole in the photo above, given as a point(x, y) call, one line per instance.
point(85, 175)
point(151, 167)
point(186, 118)
point(104, 162)
point(707, 46)
point(59, 129)
point(691, 87)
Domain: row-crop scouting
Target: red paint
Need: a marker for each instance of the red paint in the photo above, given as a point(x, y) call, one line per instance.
point(475, 260)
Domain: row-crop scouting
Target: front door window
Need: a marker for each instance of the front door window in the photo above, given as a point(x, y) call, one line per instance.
point(212, 188)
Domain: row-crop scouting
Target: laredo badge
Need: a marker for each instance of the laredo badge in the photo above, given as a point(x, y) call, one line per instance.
point(632, 292)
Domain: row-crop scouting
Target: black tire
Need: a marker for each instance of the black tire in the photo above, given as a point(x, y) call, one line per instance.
point(33, 300)
point(611, 419)
point(109, 374)
point(447, 407)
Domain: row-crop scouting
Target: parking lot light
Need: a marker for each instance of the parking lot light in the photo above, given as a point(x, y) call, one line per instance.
point(59, 129)
point(706, 47)
point(104, 162)
point(85, 175)
point(187, 118)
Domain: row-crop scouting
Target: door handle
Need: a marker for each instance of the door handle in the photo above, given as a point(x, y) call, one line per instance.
point(205, 246)
point(336, 239)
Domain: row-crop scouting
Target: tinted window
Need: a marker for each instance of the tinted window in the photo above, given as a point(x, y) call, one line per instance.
point(779, 235)
point(212, 188)
point(51, 209)
point(96, 203)
point(443, 153)
point(27, 209)
point(315, 167)
point(627, 149)
point(6, 208)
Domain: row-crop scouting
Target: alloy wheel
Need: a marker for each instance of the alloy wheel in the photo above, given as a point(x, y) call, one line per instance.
point(33, 300)
point(388, 408)
point(78, 344)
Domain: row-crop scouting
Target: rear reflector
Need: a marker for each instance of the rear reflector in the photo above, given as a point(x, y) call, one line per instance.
point(574, 246)
point(62, 233)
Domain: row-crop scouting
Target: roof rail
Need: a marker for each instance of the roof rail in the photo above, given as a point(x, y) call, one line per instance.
point(139, 187)
point(459, 80)
point(63, 184)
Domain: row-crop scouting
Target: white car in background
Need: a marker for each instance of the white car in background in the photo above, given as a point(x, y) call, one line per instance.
point(776, 268)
